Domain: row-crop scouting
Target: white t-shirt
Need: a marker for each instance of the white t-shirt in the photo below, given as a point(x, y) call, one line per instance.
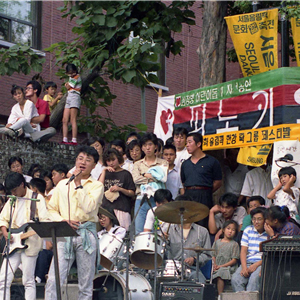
point(118, 231)
point(258, 182)
point(181, 156)
point(233, 181)
point(150, 218)
point(283, 198)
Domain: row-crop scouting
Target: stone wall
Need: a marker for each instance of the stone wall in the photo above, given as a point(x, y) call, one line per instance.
point(47, 154)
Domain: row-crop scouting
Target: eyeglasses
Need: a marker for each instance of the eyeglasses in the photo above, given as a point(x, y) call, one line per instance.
point(102, 217)
point(257, 220)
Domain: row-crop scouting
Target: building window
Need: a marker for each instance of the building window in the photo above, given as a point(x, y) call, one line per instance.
point(20, 22)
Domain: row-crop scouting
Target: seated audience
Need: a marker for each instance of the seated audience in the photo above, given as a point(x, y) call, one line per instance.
point(59, 172)
point(15, 164)
point(247, 276)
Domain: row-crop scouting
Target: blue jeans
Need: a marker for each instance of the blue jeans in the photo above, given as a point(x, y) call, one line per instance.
point(141, 217)
point(250, 284)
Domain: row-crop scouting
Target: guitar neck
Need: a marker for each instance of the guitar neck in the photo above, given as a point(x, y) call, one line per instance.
point(27, 234)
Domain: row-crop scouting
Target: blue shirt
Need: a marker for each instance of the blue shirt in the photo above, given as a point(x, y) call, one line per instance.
point(252, 238)
point(203, 173)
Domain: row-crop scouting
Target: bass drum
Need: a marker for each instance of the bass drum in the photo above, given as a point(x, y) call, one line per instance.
point(115, 286)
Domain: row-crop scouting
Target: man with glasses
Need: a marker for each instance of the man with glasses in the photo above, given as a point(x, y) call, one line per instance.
point(246, 277)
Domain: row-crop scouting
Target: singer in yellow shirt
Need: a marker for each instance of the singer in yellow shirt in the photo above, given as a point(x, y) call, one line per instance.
point(77, 202)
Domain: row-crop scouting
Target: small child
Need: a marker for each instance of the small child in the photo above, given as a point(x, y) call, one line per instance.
point(51, 88)
point(226, 255)
point(285, 193)
point(119, 188)
point(72, 103)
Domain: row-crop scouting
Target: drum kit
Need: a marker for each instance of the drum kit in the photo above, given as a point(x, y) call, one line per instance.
point(147, 255)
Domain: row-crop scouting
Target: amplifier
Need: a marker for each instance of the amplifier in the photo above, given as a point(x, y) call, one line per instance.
point(281, 243)
point(186, 291)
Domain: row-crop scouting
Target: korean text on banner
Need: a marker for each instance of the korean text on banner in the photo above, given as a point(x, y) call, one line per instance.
point(254, 36)
point(295, 23)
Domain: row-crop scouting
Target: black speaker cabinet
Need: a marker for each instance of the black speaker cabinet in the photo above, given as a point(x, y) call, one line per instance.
point(186, 291)
point(280, 276)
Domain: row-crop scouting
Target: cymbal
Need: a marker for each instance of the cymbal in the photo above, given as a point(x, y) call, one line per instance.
point(105, 212)
point(199, 249)
point(192, 212)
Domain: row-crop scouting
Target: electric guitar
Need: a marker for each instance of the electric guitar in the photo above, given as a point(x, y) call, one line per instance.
point(19, 236)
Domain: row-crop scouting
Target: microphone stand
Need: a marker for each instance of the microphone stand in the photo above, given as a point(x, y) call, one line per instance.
point(12, 202)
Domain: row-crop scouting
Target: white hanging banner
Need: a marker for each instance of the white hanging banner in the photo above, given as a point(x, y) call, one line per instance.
point(164, 118)
point(280, 149)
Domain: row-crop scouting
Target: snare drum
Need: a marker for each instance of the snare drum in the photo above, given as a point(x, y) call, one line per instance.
point(144, 249)
point(171, 270)
point(109, 245)
point(115, 286)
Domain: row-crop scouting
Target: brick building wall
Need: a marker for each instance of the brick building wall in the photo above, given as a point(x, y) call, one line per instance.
point(182, 72)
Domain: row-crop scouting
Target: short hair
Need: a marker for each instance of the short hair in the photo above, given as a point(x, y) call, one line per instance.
point(197, 137)
point(160, 144)
point(183, 198)
point(133, 133)
point(169, 141)
point(258, 198)
point(46, 173)
point(287, 171)
point(39, 184)
point(180, 130)
point(149, 136)
point(14, 159)
point(236, 225)
point(258, 210)
point(161, 195)
point(71, 68)
point(168, 147)
point(88, 150)
point(130, 147)
point(281, 213)
point(93, 140)
point(60, 168)
point(50, 84)
point(118, 143)
point(14, 180)
point(109, 155)
point(230, 199)
point(36, 86)
point(15, 88)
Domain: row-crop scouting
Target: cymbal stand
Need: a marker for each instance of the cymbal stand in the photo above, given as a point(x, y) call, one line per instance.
point(197, 265)
point(182, 251)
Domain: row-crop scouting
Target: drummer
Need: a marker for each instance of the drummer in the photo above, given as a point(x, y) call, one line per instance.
point(193, 236)
point(110, 223)
point(161, 196)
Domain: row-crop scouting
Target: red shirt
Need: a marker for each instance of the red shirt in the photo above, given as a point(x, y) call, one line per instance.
point(43, 109)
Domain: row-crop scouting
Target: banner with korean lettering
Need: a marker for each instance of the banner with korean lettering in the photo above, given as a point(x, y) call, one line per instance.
point(254, 37)
point(295, 24)
point(251, 137)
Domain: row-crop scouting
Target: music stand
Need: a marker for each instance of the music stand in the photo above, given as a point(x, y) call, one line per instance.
point(54, 230)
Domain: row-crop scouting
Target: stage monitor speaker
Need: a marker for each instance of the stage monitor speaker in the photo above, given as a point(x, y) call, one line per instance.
point(186, 291)
point(281, 276)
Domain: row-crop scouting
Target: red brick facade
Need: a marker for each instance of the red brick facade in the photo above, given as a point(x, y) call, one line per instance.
point(182, 72)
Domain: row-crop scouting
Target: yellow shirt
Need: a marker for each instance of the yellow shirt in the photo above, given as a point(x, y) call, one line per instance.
point(34, 242)
point(50, 99)
point(84, 203)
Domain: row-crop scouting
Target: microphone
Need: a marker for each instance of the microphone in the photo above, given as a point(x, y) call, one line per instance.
point(72, 177)
point(286, 158)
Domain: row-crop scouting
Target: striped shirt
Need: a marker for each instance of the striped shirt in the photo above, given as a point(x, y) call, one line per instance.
point(251, 239)
point(75, 84)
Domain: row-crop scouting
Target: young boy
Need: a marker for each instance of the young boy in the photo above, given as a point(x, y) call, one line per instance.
point(72, 103)
point(38, 185)
point(179, 138)
point(285, 193)
point(59, 172)
point(141, 176)
point(173, 183)
point(15, 184)
point(51, 88)
point(247, 276)
point(252, 203)
point(226, 210)
point(161, 196)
